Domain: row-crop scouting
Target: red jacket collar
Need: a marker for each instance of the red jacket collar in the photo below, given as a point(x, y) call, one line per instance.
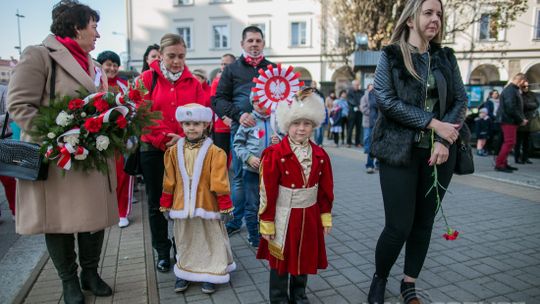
point(286, 148)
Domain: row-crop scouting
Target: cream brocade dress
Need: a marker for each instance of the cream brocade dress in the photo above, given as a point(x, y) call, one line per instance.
point(203, 249)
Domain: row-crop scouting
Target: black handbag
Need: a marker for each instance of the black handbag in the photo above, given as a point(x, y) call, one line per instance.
point(132, 164)
point(22, 160)
point(464, 157)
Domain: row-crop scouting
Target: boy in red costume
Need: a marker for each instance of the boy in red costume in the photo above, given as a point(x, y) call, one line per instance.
point(296, 200)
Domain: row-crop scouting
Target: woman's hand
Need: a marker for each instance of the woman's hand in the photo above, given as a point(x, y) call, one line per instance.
point(447, 131)
point(227, 121)
point(268, 237)
point(439, 154)
point(174, 139)
point(327, 230)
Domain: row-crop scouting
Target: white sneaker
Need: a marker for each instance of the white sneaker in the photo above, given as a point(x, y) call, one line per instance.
point(124, 222)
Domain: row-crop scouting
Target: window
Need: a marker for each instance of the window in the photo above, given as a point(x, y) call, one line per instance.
point(185, 2)
point(221, 34)
point(537, 26)
point(298, 33)
point(220, 1)
point(185, 32)
point(489, 28)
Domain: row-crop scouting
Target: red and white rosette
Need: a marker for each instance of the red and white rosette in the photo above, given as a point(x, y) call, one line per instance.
point(276, 84)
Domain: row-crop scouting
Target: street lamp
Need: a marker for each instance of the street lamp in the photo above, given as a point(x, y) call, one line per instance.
point(19, 16)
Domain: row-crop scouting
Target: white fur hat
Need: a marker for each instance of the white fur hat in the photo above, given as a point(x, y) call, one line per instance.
point(306, 104)
point(193, 112)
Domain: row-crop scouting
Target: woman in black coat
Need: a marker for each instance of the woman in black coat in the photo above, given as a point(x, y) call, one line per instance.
point(420, 96)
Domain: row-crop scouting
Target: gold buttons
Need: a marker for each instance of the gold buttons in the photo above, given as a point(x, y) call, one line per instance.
point(320, 173)
point(286, 172)
point(322, 161)
point(292, 186)
point(172, 89)
point(283, 160)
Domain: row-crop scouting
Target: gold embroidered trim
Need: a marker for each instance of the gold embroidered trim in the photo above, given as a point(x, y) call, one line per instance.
point(163, 209)
point(227, 210)
point(268, 228)
point(326, 219)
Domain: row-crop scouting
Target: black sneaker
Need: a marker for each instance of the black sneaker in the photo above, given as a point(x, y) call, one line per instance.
point(180, 285)
point(232, 231)
point(208, 288)
point(503, 169)
point(511, 168)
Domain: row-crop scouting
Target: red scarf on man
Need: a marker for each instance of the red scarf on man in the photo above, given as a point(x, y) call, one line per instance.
point(253, 61)
point(76, 51)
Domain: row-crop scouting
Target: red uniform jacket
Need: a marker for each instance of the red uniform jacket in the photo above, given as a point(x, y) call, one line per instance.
point(304, 246)
point(166, 97)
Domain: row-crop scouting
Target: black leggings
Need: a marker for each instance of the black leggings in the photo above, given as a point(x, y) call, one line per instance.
point(409, 214)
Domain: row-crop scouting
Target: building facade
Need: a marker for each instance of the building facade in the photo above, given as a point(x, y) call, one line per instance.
point(294, 30)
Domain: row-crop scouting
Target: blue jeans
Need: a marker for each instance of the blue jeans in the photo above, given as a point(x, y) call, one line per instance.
point(367, 147)
point(251, 188)
point(237, 190)
point(319, 135)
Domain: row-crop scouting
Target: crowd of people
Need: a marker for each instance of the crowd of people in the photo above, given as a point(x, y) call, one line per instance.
point(281, 183)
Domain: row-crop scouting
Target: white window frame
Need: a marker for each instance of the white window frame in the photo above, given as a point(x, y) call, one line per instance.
point(536, 25)
point(189, 26)
point(307, 30)
point(267, 29)
point(227, 24)
point(500, 34)
point(189, 2)
point(220, 1)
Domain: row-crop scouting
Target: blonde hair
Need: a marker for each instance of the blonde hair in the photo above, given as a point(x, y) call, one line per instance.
point(169, 40)
point(412, 10)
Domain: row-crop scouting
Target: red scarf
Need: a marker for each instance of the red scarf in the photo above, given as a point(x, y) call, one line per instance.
point(254, 62)
point(76, 51)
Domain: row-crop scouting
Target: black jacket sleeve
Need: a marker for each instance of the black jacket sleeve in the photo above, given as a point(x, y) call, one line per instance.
point(223, 101)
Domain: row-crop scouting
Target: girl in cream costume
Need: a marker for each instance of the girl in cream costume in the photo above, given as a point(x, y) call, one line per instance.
point(195, 196)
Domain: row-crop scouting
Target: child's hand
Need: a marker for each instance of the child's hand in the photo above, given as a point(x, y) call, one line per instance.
point(275, 139)
point(327, 230)
point(166, 216)
point(226, 217)
point(254, 162)
point(268, 237)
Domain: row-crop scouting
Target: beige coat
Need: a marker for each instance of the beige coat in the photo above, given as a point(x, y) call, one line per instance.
point(76, 202)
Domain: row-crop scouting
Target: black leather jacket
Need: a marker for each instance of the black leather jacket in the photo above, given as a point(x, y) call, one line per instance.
point(511, 106)
point(401, 97)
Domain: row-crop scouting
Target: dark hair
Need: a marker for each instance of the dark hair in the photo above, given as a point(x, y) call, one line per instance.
point(108, 55)
point(251, 29)
point(151, 47)
point(69, 16)
point(342, 91)
point(229, 55)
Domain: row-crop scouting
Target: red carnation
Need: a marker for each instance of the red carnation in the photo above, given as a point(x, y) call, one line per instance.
point(100, 104)
point(135, 95)
point(75, 104)
point(451, 234)
point(93, 125)
point(121, 122)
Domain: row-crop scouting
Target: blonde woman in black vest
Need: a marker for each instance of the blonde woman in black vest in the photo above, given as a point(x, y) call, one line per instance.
point(419, 91)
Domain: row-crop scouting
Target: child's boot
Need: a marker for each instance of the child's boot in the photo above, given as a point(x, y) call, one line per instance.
point(278, 288)
point(297, 289)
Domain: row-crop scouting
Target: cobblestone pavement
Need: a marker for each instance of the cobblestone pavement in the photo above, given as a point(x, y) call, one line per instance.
point(495, 259)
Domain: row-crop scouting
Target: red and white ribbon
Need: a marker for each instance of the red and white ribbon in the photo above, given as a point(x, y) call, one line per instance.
point(65, 155)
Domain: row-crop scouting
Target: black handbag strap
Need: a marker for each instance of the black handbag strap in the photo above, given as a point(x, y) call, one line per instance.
point(4, 126)
point(52, 84)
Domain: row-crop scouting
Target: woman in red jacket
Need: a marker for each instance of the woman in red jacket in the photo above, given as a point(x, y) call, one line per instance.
point(170, 85)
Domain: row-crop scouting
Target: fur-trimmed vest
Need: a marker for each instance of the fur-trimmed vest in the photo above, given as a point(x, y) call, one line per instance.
point(401, 97)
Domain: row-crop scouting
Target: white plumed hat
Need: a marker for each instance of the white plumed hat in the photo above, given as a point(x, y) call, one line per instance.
point(306, 104)
point(193, 112)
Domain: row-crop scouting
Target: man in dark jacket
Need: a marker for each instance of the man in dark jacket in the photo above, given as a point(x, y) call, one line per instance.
point(355, 116)
point(232, 100)
point(510, 115)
